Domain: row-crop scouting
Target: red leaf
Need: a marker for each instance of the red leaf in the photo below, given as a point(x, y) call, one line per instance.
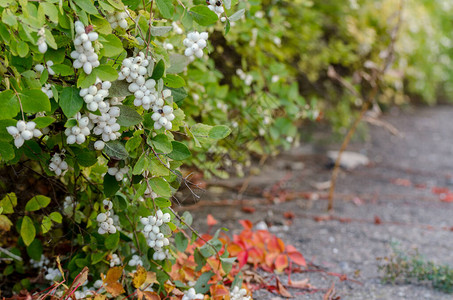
point(289, 215)
point(377, 220)
point(281, 262)
point(248, 209)
point(211, 221)
point(276, 245)
point(446, 197)
point(242, 258)
point(438, 190)
point(246, 224)
point(297, 258)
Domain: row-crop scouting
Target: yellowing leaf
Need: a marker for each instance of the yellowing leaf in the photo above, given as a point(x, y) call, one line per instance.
point(115, 288)
point(113, 274)
point(5, 223)
point(139, 277)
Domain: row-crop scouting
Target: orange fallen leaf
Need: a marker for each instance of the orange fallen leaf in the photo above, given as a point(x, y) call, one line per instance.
point(301, 284)
point(211, 221)
point(115, 288)
point(282, 290)
point(377, 220)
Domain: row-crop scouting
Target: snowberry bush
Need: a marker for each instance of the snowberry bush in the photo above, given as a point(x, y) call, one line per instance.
point(93, 115)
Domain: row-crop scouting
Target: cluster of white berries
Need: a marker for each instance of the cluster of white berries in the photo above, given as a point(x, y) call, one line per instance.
point(115, 260)
point(192, 295)
point(106, 126)
point(40, 68)
point(154, 237)
point(247, 78)
point(52, 274)
point(117, 19)
point(239, 294)
point(78, 133)
point(58, 165)
point(216, 6)
point(135, 261)
point(47, 89)
point(94, 95)
point(105, 220)
point(68, 206)
point(42, 45)
point(195, 43)
point(23, 131)
point(40, 264)
point(84, 54)
point(118, 172)
point(176, 28)
point(162, 117)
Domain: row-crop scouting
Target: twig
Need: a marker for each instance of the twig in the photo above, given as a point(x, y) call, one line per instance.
point(11, 254)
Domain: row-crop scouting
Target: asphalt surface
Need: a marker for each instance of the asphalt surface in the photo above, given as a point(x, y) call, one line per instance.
point(389, 201)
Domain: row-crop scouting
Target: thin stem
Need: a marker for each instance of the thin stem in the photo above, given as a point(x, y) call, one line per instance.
point(20, 103)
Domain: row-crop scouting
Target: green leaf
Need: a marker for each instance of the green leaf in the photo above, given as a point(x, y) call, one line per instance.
point(178, 63)
point(22, 49)
point(50, 10)
point(159, 70)
point(10, 105)
point(46, 224)
point(181, 242)
point(63, 70)
point(9, 18)
point(162, 202)
point(227, 263)
point(111, 186)
point(116, 150)
point(27, 230)
point(85, 157)
point(119, 88)
point(42, 122)
point(88, 6)
point(174, 81)
point(50, 40)
point(112, 240)
point(34, 100)
point(106, 73)
point(219, 132)
point(97, 257)
point(202, 286)
point(116, 4)
point(37, 202)
point(203, 15)
point(8, 203)
point(133, 143)
point(140, 165)
point(180, 151)
point(128, 116)
point(56, 217)
point(199, 259)
point(112, 45)
point(162, 143)
point(35, 250)
point(84, 80)
point(165, 8)
point(160, 186)
point(178, 94)
point(70, 101)
point(237, 15)
point(207, 250)
point(6, 151)
point(160, 30)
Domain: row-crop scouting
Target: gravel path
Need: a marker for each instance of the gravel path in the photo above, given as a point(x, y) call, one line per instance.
point(389, 200)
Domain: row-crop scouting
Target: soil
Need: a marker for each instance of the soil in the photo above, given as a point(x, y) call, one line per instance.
point(389, 201)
